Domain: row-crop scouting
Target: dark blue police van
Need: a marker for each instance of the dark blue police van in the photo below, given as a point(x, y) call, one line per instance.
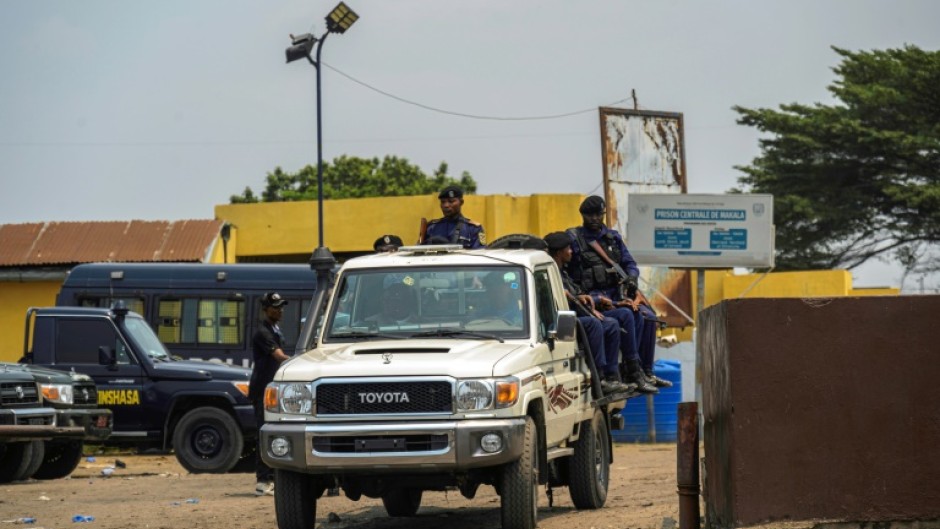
point(199, 311)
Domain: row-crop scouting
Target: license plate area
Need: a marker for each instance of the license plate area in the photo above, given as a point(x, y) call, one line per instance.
point(391, 444)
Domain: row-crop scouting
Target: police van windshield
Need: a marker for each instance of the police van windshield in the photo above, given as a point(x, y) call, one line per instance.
point(456, 301)
point(143, 336)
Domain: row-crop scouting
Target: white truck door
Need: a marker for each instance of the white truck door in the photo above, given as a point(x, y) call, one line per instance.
point(563, 400)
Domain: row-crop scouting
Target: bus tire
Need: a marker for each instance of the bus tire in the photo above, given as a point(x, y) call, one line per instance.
point(208, 440)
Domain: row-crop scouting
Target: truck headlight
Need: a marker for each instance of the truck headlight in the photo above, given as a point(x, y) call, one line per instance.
point(474, 395)
point(296, 398)
point(59, 393)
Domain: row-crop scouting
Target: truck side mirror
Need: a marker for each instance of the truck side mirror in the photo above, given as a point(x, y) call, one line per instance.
point(566, 324)
point(106, 357)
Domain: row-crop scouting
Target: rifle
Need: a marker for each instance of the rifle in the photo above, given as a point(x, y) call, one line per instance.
point(581, 308)
point(628, 283)
point(423, 230)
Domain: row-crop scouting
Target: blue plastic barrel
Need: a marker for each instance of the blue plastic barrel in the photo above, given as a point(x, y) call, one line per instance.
point(635, 416)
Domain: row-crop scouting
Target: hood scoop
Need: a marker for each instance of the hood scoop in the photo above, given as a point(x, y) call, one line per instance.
point(423, 350)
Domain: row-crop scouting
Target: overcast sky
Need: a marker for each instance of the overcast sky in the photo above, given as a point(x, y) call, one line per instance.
point(116, 110)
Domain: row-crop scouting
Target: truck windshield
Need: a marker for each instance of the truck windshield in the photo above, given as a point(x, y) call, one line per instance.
point(143, 336)
point(383, 303)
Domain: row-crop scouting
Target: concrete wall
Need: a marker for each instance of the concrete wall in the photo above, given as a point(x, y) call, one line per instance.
point(821, 408)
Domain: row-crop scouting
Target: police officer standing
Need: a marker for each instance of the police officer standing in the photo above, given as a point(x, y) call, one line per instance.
point(594, 246)
point(267, 348)
point(453, 227)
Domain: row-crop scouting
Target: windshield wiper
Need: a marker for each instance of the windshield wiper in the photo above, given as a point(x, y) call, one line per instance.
point(448, 333)
point(368, 335)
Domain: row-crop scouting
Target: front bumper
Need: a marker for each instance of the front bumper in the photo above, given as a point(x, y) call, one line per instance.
point(34, 424)
point(96, 423)
point(377, 448)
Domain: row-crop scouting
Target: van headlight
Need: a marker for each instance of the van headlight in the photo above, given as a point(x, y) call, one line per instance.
point(290, 397)
point(58, 393)
point(485, 394)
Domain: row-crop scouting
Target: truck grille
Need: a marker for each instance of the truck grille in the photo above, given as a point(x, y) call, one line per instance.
point(377, 398)
point(85, 395)
point(18, 394)
point(384, 443)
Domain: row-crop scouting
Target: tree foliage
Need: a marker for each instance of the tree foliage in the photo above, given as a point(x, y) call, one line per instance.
point(353, 177)
point(859, 179)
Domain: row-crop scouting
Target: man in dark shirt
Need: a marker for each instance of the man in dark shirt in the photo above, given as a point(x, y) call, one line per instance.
point(267, 349)
point(453, 227)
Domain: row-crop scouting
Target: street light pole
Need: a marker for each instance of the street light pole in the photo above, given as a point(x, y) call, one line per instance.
point(338, 21)
point(316, 64)
point(322, 260)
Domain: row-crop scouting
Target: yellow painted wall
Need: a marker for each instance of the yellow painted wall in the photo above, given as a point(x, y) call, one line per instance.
point(352, 225)
point(15, 298)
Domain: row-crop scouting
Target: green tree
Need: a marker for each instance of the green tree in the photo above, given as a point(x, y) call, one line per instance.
point(859, 179)
point(353, 177)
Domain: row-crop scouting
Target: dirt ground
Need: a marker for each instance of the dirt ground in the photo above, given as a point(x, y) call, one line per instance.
point(152, 492)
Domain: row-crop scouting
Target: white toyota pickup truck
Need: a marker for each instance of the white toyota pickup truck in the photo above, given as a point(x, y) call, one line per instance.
point(436, 368)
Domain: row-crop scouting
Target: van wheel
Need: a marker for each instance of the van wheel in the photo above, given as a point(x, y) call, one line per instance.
point(519, 484)
point(402, 501)
point(589, 467)
point(295, 499)
point(14, 458)
point(207, 440)
point(62, 458)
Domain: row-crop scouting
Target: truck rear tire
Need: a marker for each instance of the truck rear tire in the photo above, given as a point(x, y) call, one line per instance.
point(519, 484)
point(295, 500)
point(14, 458)
point(402, 501)
point(61, 459)
point(589, 467)
point(208, 440)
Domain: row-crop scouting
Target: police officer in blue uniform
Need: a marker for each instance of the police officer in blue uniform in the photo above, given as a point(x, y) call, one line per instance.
point(454, 228)
point(595, 276)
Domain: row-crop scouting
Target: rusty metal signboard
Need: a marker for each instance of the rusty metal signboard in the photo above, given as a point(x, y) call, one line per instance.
point(644, 152)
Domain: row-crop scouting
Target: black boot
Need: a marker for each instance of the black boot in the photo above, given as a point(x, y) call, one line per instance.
point(611, 384)
point(656, 381)
point(635, 375)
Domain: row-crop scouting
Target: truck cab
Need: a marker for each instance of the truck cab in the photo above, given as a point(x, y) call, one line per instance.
point(438, 367)
point(200, 409)
point(74, 398)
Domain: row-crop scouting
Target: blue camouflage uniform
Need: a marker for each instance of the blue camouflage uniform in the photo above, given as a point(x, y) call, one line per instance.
point(598, 282)
point(457, 230)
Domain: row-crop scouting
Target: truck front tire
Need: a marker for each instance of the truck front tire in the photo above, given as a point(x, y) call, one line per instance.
point(14, 458)
point(61, 459)
point(402, 501)
point(35, 461)
point(208, 440)
point(519, 484)
point(295, 499)
point(589, 467)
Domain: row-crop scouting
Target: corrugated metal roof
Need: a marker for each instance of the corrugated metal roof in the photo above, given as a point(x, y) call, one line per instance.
point(56, 243)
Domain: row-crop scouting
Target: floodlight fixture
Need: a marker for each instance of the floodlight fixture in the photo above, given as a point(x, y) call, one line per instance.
point(340, 18)
point(300, 48)
point(338, 21)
